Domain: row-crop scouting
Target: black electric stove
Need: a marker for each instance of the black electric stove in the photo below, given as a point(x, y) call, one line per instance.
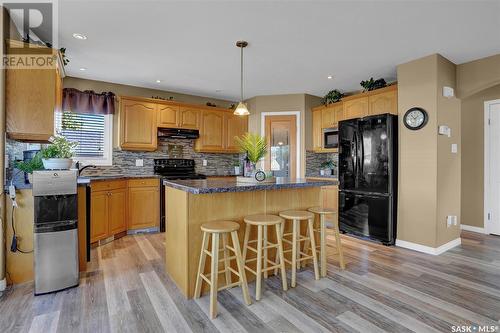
point(176, 168)
point(172, 169)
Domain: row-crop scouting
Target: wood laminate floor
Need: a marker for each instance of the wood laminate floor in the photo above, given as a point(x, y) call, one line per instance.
point(383, 289)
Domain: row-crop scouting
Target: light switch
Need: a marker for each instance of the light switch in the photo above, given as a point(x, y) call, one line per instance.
point(454, 148)
point(205, 162)
point(139, 163)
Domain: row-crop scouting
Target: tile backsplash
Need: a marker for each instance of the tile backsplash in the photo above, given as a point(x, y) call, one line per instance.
point(124, 161)
point(314, 161)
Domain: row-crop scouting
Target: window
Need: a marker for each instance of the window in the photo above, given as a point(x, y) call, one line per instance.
point(93, 132)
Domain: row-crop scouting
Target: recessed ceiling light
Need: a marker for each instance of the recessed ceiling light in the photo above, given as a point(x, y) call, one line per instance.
point(79, 36)
point(83, 69)
point(329, 77)
point(158, 81)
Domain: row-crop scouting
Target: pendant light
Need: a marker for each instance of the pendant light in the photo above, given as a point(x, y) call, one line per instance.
point(241, 109)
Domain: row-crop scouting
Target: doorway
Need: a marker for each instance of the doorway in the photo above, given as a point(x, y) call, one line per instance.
point(492, 167)
point(281, 135)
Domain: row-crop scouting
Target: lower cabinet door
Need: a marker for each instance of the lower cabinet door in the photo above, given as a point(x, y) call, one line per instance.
point(99, 216)
point(117, 202)
point(143, 207)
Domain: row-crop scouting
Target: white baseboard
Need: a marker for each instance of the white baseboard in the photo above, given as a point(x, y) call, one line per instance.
point(427, 249)
point(473, 229)
point(3, 284)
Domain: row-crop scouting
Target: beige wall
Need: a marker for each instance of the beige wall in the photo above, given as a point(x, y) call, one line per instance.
point(449, 166)
point(473, 155)
point(417, 199)
point(301, 103)
point(2, 147)
point(429, 174)
point(124, 90)
point(478, 75)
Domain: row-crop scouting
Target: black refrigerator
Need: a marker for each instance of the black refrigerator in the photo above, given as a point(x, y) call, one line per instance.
point(368, 177)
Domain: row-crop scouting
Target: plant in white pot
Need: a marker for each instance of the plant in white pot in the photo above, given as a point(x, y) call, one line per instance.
point(58, 154)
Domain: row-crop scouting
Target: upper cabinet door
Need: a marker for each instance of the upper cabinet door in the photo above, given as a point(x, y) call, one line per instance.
point(212, 131)
point(386, 102)
point(317, 131)
point(138, 125)
point(356, 108)
point(327, 117)
point(168, 115)
point(235, 126)
point(189, 117)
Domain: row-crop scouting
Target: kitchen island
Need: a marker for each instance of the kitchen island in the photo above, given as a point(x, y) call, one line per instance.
point(190, 203)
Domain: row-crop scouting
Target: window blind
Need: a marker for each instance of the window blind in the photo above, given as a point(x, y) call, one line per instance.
point(86, 129)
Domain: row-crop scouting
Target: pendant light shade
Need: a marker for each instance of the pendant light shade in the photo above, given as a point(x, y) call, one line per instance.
point(241, 109)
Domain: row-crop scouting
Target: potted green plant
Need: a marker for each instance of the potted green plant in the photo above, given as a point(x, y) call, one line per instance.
point(327, 168)
point(58, 154)
point(369, 85)
point(29, 166)
point(254, 146)
point(333, 96)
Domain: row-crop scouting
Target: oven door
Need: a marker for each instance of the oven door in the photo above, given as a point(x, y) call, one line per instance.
point(330, 138)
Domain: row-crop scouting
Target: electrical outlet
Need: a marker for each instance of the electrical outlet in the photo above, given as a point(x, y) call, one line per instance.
point(205, 162)
point(139, 163)
point(451, 220)
point(454, 148)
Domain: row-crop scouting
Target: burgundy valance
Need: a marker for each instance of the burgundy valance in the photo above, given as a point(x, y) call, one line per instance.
point(88, 101)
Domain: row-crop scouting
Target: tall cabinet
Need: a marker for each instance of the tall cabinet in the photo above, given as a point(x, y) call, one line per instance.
point(32, 96)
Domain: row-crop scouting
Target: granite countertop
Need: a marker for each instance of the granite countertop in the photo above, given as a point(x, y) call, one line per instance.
point(324, 177)
point(84, 180)
point(203, 186)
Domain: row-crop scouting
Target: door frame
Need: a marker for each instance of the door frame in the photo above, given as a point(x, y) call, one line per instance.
point(486, 221)
point(297, 129)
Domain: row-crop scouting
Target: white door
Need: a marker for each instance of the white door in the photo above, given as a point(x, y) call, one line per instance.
point(492, 109)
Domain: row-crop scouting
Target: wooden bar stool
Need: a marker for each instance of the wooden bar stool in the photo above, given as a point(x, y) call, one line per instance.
point(215, 229)
point(298, 256)
point(322, 212)
point(262, 222)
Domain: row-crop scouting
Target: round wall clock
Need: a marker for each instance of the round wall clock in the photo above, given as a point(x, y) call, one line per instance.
point(415, 118)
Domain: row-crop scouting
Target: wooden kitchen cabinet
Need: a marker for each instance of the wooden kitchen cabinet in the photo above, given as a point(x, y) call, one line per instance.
point(386, 102)
point(356, 108)
point(211, 132)
point(234, 126)
point(317, 130)
point(31, 97)
point(108, 209)
point(138, 125)
point(168, 115)
point(117, 203)
point(98, 216)
point(331, 115)
point(143, 203)
point(189, 117)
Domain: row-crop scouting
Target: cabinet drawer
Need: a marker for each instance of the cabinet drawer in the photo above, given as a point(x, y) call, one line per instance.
point(142, 182)
point(104, 185)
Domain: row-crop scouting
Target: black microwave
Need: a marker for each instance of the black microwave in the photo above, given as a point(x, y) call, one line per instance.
point(330, 138)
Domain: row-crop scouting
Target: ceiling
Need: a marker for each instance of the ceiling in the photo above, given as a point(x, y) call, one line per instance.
point(293, 45)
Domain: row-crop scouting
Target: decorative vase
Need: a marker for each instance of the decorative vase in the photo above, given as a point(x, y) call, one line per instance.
point(57, 163)
point(322, 172)
point(30, 178)
point(236, 170)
